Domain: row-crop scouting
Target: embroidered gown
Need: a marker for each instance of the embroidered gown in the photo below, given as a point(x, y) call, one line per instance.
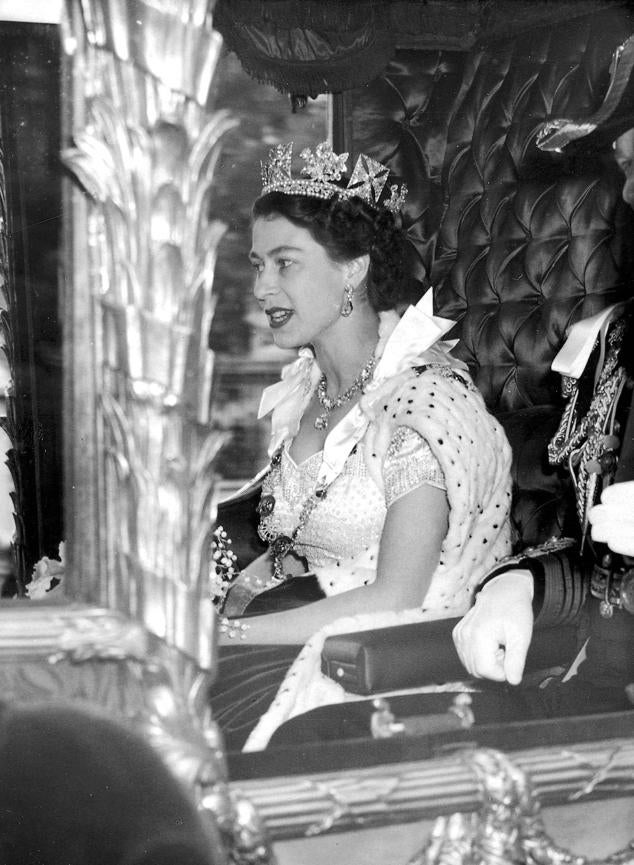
point(340, 541)
point(340, 544)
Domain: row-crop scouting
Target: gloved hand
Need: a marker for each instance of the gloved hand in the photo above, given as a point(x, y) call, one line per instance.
point(493, 637)
point(613, 520)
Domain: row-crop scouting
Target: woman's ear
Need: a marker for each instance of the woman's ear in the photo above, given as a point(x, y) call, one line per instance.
point(356, 270)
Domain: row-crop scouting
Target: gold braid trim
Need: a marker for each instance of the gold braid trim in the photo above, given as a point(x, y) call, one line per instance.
point(587, 444)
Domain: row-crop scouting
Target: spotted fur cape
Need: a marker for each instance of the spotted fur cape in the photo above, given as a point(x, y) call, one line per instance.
point(444, 406)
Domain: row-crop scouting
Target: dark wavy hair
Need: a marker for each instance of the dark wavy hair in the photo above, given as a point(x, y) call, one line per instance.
point(349, 228)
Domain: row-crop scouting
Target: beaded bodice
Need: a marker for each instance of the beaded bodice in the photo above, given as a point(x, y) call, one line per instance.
point(348, 522)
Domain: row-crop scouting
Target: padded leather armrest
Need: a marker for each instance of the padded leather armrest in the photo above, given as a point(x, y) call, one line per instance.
point(415, 655)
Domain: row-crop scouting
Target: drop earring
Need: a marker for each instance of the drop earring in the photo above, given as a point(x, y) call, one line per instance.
point(346, 306)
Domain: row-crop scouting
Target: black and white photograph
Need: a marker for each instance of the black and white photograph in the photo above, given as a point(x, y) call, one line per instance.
point(316, 432)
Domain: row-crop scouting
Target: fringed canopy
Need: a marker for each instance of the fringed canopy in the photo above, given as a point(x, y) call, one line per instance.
point(308, 47)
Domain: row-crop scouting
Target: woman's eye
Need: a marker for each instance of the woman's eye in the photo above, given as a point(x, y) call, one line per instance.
point(257, 266)
point(282, 263)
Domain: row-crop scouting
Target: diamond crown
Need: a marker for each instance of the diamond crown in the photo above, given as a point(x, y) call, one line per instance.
point(322, 169)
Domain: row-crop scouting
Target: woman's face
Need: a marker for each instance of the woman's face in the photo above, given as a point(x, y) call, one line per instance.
point(297, 284)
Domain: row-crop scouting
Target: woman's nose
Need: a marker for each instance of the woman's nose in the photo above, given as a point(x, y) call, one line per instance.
point(264, 284)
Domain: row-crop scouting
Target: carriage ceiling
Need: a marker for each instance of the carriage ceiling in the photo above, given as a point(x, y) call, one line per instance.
point(308, 47)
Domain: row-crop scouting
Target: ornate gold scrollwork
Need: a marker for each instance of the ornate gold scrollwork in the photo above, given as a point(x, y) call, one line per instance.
point(386, 794)
point(63, 651)
point(508, 828)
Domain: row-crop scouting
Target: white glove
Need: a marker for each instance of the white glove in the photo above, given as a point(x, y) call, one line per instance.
point(613, 520)
point(493, 637)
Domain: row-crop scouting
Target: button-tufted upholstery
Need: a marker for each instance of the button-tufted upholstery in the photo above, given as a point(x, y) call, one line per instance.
point(517, 243)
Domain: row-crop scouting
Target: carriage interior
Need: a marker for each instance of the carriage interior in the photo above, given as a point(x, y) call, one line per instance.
point(517, 239)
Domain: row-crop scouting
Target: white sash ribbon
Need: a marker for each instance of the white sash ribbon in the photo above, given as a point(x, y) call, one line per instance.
point(573, 356)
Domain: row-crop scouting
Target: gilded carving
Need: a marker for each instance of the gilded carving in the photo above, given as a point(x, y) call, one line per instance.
point(142, 248)
point(506, 828)
point(393, 793)
point(57, 651)
point(8, 421)
point(145, 149)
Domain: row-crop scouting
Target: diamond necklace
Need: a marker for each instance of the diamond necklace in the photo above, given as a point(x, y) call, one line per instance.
point(330, 403)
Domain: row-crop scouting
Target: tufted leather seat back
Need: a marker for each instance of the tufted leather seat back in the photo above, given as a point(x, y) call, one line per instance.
point(517, 243)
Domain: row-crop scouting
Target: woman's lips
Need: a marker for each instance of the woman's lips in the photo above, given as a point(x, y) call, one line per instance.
point(278, 316)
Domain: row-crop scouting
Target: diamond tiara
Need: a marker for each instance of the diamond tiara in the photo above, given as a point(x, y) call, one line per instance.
point(322, 169)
